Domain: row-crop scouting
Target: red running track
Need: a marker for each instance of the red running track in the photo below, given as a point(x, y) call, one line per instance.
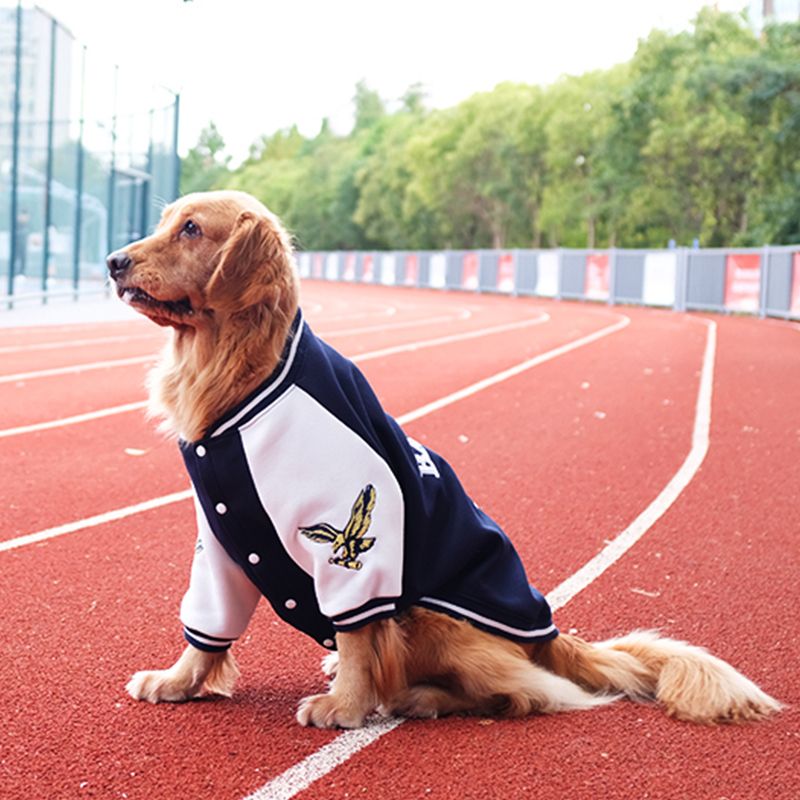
point(565, 455)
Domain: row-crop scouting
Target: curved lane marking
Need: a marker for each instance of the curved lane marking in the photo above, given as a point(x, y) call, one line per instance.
point(410, 347)
point(315, 766)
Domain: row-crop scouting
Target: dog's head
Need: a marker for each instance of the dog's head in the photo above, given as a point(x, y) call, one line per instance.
point(213, 255)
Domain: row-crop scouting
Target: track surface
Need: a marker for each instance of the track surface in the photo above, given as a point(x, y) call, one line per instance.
point(564, 454)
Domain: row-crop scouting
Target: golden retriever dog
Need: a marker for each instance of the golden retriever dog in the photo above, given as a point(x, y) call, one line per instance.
point(219, 271)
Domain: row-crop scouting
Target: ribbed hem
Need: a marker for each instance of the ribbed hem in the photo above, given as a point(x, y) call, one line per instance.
point(210, 644)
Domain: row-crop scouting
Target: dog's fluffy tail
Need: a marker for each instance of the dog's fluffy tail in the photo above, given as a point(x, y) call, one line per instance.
point(691, 683)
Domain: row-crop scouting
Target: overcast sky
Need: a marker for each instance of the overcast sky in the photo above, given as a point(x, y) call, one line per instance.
point(256, 66)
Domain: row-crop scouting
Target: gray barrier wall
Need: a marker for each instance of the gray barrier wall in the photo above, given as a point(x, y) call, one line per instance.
point(763, 281)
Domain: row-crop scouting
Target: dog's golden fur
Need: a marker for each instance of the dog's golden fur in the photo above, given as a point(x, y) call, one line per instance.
point(219, 270)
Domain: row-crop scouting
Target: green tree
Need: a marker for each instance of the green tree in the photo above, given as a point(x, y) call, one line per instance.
point(205, 166)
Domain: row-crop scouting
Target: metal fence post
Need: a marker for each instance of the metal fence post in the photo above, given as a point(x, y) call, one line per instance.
point(76, 254)
point(48, 194)
point(12, 250)
point(112, 178)
point(176, 192)
point(763, 283)
point(612, 276)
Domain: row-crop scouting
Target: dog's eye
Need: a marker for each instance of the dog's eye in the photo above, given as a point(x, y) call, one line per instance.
point(190, 229)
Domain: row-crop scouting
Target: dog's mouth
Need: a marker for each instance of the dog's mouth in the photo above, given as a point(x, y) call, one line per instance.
point(140, 299)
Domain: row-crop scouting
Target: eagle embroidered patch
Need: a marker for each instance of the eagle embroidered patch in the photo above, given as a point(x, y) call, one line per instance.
point(349, 543)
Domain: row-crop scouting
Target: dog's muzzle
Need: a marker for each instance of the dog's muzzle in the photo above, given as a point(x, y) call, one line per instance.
point(118, 263)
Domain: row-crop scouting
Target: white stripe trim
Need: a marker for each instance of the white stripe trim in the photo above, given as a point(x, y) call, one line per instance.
point(271, 388)
point(199, 637)
point(366, 614)
point(533, 633)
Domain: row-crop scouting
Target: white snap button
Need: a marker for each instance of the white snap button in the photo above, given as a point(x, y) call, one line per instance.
point(200, 450)
point(254, 558)
point(328, 643)
point(290, 604)
point(221, 508)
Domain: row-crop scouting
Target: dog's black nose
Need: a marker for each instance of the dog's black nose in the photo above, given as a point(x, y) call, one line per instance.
point(118, 262)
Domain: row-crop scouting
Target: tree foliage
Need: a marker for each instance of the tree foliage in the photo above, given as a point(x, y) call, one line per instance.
point(696, 137)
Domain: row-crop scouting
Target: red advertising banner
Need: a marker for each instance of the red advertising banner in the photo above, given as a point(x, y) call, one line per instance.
point(368, 271)
point(411, 269)
point(597, 276)
point(469, 272)
point(505, 273)
point(742, 281)
point(794, 306)
point(316, 271)
point(349, 273)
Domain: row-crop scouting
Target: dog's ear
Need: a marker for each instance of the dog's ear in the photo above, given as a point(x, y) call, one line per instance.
point(253, 266)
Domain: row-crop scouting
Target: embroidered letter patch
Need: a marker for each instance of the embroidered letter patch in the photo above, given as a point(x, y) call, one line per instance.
point(350, 542)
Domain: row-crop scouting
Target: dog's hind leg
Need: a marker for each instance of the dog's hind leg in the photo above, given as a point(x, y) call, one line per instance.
point(369, 668)
point(455, 667)
point(195, 674)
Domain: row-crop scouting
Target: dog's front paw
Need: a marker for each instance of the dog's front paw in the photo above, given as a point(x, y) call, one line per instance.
point(157, 686)
point(330, 664)
point(328, 711)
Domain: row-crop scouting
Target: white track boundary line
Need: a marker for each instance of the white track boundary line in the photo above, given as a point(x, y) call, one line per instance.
point(60, 345)
point(47, 373)
point(463, 314)
point(410, 347)
point(127, 511)
point(63, 421)
point(454, 337)
point(315, 766)
point(513, 371)
point(93, 522)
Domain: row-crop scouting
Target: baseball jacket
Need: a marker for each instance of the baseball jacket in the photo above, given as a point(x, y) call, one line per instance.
point(309, 494)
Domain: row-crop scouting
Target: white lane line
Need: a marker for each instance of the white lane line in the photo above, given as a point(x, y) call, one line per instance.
point(463, 314)
point(92, 522)
point(107, 412)
point(22, 348)
point(60, 423)
point(379, 311)
point(613, 551)
point(315, 766)
point(512, 371)
point(416, 414)
point(322, 761)
point(455, 337)
point(47, 373)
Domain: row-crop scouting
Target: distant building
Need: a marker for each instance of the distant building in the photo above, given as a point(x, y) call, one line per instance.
point(764, 11)
point(34, 77)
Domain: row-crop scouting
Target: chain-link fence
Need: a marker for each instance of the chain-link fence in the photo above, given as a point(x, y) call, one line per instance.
point(87, 158)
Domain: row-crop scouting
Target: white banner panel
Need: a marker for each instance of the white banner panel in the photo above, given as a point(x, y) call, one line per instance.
point(332, 266)
point(388, 269)
point(659, 279)
point(547, 277)
point(505, 273)
point(304, 264)
point(437, 276)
